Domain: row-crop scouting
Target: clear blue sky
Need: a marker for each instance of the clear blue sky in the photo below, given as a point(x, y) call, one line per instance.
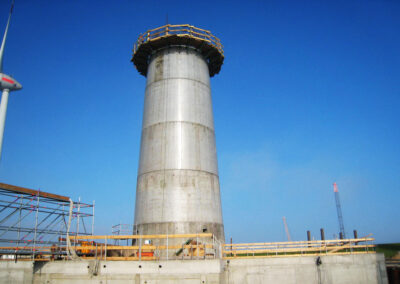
point(309, 94)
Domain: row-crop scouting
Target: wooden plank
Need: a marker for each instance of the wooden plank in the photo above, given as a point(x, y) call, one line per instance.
point(305, 242)
point(299, 250)
point(302, 247)
point(322, 249)
point(297, 255)
point(18, 189)
point(126, 237)
point(144, 247)
point(120, 258)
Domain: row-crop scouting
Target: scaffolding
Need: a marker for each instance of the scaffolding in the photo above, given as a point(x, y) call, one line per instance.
point(32, 221)
point(121, 229)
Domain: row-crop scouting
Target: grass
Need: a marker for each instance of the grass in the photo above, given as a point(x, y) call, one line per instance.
point(389, 250)
point(292, 253)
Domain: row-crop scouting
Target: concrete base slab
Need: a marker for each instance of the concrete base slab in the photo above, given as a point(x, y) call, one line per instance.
point(16, 272)
point(340, 269)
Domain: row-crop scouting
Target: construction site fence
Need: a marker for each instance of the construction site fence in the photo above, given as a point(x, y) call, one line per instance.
point(298, 248)
point(179, 30)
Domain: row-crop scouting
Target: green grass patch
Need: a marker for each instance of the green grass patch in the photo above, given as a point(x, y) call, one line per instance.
point(322, 251)
point(389, 250)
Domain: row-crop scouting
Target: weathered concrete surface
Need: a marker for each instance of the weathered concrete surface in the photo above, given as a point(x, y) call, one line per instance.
point(16, 272)
point(178, 188)
point(193, 271)
point(340, 269)
point(336, 269)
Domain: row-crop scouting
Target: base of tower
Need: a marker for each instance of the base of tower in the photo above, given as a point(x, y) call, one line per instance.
point(172, 228)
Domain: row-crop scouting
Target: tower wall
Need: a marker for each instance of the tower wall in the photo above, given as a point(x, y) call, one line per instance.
point(178, 185)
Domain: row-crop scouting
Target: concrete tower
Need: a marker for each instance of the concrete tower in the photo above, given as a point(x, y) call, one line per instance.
point(178, 184)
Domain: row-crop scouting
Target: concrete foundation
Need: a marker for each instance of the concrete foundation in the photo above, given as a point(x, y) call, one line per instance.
point(16, 272)
point(340, 269)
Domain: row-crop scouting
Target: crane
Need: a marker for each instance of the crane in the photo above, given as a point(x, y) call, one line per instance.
point(286, 229)
point(339, 210)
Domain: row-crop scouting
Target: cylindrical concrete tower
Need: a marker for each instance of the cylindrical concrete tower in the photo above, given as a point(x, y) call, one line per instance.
point(178, 185)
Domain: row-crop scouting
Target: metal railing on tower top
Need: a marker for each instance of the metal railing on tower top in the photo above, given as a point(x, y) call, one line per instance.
point(206, 44)
point(181, 31)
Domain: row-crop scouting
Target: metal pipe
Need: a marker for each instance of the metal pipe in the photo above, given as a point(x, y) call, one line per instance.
point(62, 225)
point(197, 246)
point(231, 247)
point(93, 220)
point(167, 243)
point(36, 224)
point(105, 248)
point(77, 220)
point(19, 219)
point(140, 248)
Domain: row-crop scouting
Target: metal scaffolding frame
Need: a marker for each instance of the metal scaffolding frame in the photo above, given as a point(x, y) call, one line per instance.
point(30, 220)
point(121, 229)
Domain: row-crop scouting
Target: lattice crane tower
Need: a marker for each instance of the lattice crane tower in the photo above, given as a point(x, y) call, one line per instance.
point(339, 211)
point(178, 185)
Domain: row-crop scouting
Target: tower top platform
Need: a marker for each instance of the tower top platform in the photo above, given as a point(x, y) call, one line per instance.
point(185, 35)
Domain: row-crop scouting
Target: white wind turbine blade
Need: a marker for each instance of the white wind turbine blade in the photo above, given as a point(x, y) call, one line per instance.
point(5, 37)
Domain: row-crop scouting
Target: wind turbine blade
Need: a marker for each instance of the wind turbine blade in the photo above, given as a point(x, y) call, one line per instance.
point(5, 37)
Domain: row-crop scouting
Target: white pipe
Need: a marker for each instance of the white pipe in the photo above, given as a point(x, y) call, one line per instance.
point(3, 112)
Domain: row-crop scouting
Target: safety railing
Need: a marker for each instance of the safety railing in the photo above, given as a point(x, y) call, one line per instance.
point(140, 247)
point(179, 30)
point(149, 247)
point(284, 249)
point(181, 247)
